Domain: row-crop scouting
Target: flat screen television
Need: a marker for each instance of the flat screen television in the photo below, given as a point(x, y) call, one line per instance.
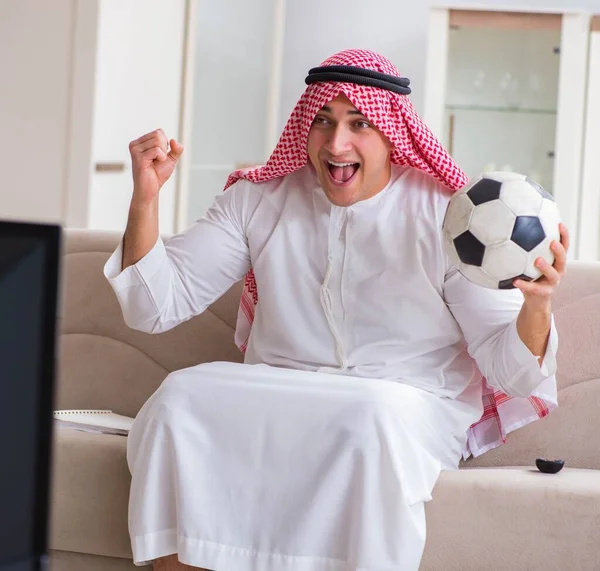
point(29, 274)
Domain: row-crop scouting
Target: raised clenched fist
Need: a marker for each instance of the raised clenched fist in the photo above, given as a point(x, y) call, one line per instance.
point(153, 161)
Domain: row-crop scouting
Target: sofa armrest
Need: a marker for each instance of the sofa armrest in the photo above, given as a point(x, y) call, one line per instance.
point(514, 518)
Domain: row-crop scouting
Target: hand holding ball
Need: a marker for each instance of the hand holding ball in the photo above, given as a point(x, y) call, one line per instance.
point(497, 226)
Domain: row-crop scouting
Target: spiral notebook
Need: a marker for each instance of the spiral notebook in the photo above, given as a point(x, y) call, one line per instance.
point(98, 421)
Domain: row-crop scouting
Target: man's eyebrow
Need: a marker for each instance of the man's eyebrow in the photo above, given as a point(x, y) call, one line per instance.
point(328, 109)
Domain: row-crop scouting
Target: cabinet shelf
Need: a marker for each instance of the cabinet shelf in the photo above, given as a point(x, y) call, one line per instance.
point(494, 109)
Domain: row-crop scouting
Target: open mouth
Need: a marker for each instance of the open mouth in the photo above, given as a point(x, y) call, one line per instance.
point(342, 174)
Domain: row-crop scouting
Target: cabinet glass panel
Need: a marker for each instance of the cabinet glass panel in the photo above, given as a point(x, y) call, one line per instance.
point(501, 99)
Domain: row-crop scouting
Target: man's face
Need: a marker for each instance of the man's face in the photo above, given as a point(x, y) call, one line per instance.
point(350, 155)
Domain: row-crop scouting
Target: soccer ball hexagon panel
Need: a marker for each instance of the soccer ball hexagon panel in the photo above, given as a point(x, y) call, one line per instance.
point(497, 226)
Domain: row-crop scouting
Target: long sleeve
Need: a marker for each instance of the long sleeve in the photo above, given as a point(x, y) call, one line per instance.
point(179, 279)
point(488, 320)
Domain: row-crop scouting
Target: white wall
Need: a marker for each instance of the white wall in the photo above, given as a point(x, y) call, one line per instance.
point(316, 29)
point(36, 60)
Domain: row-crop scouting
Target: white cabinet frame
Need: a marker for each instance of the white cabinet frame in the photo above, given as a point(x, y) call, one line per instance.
point(589, 217)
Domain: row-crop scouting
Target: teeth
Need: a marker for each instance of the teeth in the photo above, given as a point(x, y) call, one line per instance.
point(340, 164)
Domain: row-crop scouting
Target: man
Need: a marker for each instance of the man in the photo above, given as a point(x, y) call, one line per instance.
point(363, 344)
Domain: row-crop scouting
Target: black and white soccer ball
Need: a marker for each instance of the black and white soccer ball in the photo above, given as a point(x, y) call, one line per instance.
point(497, 226)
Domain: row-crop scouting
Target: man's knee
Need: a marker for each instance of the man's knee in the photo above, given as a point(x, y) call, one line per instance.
point(177, 388)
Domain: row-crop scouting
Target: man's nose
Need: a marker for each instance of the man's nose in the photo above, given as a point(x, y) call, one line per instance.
point(339, 141)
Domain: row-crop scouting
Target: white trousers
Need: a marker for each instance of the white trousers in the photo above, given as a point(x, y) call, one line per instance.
point(254, 468)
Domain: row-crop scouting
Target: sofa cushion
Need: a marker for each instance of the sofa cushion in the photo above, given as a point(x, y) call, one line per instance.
point(90, 494)
point(512, 519)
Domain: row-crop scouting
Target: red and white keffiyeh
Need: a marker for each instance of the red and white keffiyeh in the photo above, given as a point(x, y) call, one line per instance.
point(414, 145)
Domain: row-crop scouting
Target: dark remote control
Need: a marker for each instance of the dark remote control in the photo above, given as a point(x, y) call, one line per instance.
point(549, 466)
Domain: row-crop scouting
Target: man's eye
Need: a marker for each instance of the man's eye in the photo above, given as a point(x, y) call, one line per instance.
point(362, 124)
point(321, 121)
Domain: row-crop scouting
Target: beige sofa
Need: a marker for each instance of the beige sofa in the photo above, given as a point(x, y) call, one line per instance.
point(496, 513)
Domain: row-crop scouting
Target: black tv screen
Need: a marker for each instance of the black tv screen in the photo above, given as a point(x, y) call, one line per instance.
point(29, 260)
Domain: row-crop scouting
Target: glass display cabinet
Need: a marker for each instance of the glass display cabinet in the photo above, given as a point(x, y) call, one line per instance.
point(507, 91)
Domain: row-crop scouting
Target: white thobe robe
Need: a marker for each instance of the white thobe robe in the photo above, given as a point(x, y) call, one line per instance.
point(366, 345)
